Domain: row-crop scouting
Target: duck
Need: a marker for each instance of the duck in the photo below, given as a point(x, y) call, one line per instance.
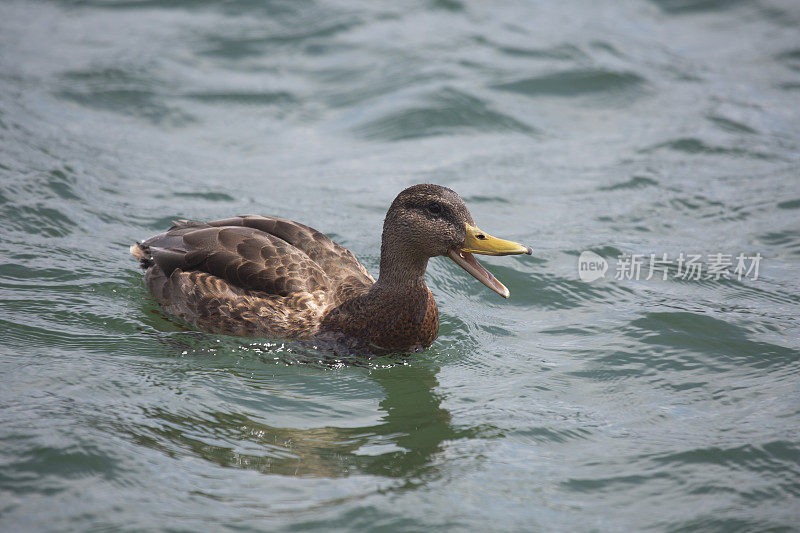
point(264, 276)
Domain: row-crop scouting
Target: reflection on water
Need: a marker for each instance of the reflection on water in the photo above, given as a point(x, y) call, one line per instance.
point(412, 428)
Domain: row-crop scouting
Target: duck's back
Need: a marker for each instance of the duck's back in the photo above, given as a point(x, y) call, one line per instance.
point(250, 275)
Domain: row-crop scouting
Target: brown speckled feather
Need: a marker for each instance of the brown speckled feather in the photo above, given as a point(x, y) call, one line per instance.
point(250, 275)
point(335, 260)
point(387, 319)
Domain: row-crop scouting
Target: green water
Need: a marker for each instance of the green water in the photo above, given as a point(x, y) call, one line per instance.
point(629, 127)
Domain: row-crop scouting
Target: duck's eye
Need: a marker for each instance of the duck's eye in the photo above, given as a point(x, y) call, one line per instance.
point(435, 209)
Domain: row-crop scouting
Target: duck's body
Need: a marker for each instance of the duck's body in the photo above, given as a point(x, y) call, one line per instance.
point(270, 277)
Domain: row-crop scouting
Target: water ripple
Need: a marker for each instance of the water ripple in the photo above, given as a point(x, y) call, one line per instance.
point(575, 83)
point(447, 111)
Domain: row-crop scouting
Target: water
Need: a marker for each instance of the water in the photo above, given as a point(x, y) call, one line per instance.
point(618, 127)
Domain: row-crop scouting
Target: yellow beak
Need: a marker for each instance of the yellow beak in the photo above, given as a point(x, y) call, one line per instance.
point(479, 242)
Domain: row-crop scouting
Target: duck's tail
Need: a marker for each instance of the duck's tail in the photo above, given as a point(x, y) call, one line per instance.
point(142, 253)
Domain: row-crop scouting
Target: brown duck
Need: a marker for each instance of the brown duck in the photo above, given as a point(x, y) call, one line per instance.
point(263, 276)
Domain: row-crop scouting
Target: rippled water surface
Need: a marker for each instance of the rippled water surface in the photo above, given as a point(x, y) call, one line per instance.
point(628, 127)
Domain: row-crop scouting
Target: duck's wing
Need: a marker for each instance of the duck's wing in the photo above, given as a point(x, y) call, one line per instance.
point(244, 258)
point(338, 263)
point(273, 255)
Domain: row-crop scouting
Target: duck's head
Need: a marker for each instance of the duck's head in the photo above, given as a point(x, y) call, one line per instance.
point(428, 220)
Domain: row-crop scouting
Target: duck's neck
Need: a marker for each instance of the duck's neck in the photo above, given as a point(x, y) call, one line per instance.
point(398, 312)
point(401, 268)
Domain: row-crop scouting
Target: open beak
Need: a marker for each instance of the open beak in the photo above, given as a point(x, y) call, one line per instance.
point(478, 242)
